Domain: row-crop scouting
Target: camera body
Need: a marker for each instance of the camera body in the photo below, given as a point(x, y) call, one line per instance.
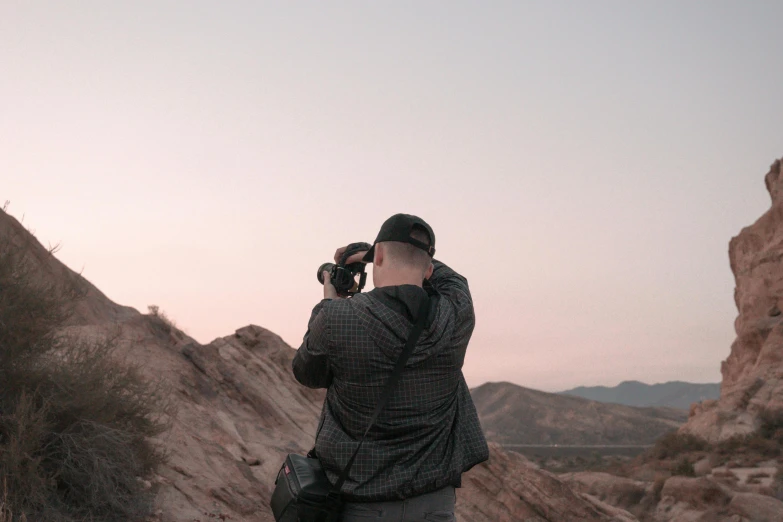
point(342, 276)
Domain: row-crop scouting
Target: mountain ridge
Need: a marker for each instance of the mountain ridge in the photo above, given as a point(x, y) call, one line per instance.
point(513, 414)
point(673, 394)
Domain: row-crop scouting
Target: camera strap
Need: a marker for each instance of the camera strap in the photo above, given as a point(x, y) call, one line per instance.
point(418, 327)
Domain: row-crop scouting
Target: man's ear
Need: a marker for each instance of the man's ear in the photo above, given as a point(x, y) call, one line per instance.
point(377, 258)
point(428, 273)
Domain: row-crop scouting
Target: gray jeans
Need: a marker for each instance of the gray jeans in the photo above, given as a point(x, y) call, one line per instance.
point(437, 506)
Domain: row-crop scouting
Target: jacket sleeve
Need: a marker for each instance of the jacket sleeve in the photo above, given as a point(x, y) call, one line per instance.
point(311, 362)
point(454, 288)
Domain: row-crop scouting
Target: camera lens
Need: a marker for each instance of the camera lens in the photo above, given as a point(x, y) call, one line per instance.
point(326, 266)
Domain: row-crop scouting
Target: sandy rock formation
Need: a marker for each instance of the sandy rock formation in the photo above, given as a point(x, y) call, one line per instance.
point(239, 414)
point(756, 508)
point(753, 372)
point(521, 491)
point(616, 491)
point(239, 411)
point(692, 499)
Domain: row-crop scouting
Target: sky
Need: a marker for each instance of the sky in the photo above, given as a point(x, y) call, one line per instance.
point(583, 164)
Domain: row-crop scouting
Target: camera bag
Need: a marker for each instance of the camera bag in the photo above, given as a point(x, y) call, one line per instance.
point(303, 492)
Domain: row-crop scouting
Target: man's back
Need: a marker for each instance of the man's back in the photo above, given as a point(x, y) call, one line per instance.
point(429, 433)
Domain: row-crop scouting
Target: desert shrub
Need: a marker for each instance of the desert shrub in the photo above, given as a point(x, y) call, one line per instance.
point(753, 444)
point(75, 422)
point(162, 324)
point(771, 424)
point(762, 446)
point(157, 313)
point(673, 444)
point(749, 393)
point(730, 446)
point(683, 467)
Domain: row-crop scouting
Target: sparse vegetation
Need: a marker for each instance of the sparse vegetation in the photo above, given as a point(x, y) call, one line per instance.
point(683, 467)
point(739, 451)
point(157, 313)
point(749, 393)
point(75, 423)
point(771, 424)
point(674, 444)
point(750, 449)
point(162, 323)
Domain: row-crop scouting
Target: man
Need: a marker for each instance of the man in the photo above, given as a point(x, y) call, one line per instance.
point(429, 433)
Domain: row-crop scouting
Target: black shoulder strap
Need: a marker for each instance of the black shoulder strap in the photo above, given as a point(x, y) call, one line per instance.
point(390, 385)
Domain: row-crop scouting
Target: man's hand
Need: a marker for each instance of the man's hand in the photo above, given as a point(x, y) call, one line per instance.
point(330, 292)
point(355, 258)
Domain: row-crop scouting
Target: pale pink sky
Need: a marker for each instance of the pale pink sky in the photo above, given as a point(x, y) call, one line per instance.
point(584, 164)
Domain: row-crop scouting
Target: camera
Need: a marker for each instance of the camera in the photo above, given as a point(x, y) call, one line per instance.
point(343, 277)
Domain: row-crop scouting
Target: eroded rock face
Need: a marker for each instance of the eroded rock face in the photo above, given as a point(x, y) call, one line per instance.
point(758, 508)
point(520, 491)
point(616, 491)
point(753, 372)
point(239, 414)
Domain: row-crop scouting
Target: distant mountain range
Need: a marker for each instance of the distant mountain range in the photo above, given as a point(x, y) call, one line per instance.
point(674, 394)
point(511, 414)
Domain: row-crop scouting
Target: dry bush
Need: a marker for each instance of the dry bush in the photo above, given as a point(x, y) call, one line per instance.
point(75, 423)
point(674, 444)
point(749, 393)
point(6, 514)
point(162, 325)
point(157, 313)
point(683, 467)
point(771, 424)
point(753, 447)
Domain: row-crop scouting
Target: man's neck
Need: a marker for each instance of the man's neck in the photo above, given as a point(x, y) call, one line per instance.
point(401, 279)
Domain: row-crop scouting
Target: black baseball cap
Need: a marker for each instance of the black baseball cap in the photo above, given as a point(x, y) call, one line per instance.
point(399, 228)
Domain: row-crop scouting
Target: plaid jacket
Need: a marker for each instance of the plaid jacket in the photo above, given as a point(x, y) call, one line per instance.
point(429, 432)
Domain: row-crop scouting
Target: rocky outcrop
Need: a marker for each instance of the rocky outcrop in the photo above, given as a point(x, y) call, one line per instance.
point(756, 508)
point(616, 491)
point(753, 372)
point(521, 491)
point(238, 412)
